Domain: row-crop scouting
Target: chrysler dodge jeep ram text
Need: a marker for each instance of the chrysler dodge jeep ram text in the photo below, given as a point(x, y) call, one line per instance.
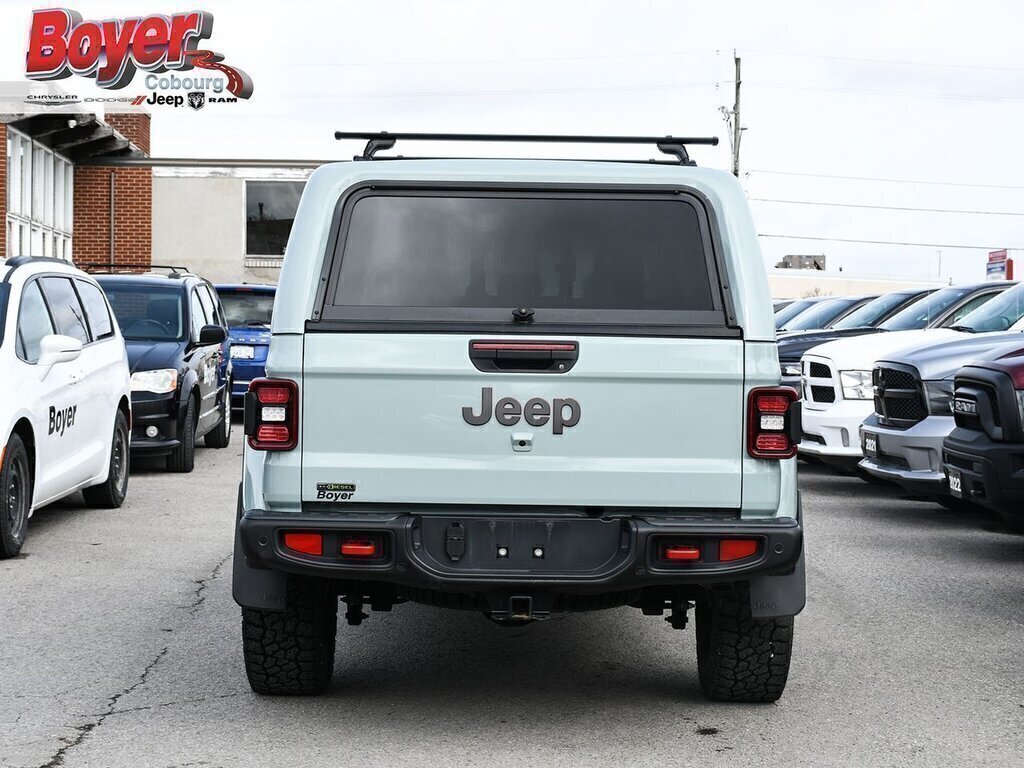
point(521, 387)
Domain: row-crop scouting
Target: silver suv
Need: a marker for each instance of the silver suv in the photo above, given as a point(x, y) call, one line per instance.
point(521, 387)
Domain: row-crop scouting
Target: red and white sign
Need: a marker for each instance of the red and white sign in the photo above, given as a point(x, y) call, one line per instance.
point(999, 267)
point(61, 44)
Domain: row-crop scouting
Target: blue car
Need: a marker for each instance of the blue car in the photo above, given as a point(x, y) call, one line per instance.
point(248, 309)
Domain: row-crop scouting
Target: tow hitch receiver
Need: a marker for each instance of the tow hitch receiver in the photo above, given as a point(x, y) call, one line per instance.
point(520, 609)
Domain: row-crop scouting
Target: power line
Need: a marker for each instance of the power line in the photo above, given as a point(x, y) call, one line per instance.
point(507, 92)
point(893, 242)
point(886, 61)
point(888, 181)
point(877, 92)
point(887, 207)
point(529, 60)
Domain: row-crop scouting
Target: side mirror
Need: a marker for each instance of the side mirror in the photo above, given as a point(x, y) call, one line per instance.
point(55, 349)
point(212, 334)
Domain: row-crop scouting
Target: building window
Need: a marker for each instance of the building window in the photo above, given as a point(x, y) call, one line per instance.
point(40, 189)
point(269, 212)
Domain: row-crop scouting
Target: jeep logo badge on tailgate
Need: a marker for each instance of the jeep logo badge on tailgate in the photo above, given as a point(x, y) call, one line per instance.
point(562, 412)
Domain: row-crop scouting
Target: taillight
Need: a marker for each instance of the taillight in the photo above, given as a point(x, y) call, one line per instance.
point(772, 421)
point(272, 414)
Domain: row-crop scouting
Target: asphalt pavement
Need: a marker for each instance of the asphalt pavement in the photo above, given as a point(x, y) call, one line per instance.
point(120, 646)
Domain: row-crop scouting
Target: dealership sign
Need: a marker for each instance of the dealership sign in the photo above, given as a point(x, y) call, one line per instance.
point(61, 44)
point(999, 267)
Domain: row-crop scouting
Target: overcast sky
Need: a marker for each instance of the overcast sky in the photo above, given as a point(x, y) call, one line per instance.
point(890, 92)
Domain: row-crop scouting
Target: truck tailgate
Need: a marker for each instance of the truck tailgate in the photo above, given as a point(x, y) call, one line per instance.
point(656, 422)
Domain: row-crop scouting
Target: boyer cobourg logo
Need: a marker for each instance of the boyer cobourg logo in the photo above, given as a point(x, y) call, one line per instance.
point(112, 51)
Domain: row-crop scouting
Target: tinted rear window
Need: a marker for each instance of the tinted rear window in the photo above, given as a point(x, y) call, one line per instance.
point(247, 307)
point(595, 258)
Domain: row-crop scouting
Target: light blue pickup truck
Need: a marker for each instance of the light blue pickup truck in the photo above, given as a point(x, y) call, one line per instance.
point(521, 387)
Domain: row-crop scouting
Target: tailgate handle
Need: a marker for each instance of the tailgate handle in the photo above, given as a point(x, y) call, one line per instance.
point(524, 356)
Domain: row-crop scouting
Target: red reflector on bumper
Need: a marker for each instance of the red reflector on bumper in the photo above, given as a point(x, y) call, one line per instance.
point(678, 552)
point(360, 548)
point(736, 549)
point(306, 543)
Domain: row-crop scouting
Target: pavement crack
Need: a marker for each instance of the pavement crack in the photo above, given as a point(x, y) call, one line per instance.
point(199, 596)
point(82, 732)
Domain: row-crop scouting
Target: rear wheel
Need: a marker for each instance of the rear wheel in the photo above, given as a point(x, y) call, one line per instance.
point(111, 492)
point(15, 497)
point(739, 657)
point(183, 458)
point(220, 436)
point(291, 652)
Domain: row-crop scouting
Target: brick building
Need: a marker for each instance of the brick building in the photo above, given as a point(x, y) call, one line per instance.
point(57, 199)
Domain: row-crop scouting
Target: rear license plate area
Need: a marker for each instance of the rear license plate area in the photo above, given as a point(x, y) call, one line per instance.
point(521, 546)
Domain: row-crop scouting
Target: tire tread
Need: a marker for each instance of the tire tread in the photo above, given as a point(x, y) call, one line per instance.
point(741, 658)
point(291, 652)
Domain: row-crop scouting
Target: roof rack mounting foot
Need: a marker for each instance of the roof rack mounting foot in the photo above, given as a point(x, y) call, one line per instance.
point(375, 144)
point(672, 147)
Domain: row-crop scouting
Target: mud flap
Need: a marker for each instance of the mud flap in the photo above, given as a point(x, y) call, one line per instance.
point(255, 587)
point(773, 597)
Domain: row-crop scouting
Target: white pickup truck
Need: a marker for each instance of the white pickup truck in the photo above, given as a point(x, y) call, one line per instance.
point(836, 376)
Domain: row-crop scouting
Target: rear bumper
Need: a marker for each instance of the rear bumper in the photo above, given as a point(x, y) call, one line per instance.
point(911, 458)
point(581, 555)
point(992, 473)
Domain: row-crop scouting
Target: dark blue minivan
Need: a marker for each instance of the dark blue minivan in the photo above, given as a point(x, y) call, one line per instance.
point(248, 309)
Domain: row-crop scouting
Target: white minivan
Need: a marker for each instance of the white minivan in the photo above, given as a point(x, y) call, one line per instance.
point(65, 413)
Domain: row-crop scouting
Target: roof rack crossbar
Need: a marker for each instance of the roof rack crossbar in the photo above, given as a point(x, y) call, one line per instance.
point(670, 145)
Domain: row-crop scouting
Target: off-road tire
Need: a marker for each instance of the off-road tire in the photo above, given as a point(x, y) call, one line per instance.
point(111, 492)
point(220, 436)
point(15, 497)
point(183, 458)
point(740, 658)
point(291, 652)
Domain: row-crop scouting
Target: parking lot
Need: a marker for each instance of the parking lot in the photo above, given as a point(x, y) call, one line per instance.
point(120, 647)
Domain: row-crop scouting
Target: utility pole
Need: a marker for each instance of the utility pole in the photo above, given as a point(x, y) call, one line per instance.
point(737, 130)
point(732, 120)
